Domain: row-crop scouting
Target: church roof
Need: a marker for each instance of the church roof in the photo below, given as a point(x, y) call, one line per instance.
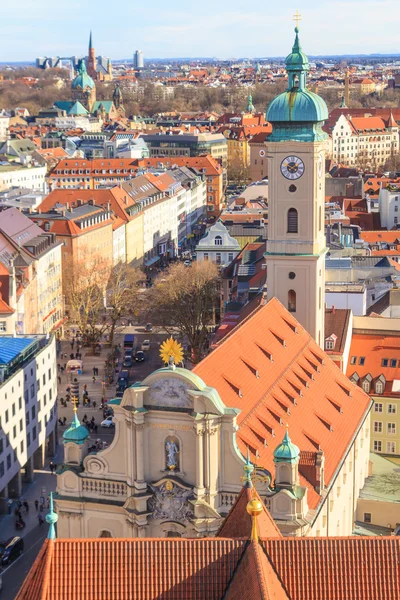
point(271, 369)
point(82, 80)
point(71, 107)
point(360, 568)
point(238, 522)
point(106, 104)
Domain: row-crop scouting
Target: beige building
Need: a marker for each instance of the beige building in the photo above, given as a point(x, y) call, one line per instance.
point(364, 141)
point(258, 157)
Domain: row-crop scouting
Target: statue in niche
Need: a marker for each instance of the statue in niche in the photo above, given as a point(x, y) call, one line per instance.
point(172, 451)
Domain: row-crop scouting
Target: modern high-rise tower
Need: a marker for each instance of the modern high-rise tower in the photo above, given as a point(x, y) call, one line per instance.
point(296, 244)
point(138, 60)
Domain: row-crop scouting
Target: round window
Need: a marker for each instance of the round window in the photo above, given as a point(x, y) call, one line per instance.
point(292, 188)
point(292, 275)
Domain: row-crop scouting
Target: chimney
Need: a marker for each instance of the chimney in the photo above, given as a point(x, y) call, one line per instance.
point(333, 310)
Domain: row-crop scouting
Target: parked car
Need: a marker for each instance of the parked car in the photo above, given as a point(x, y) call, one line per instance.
point(123, 381)
point(108, 422)
point(146, 345)
point(128, 352)
point(12, 549)
point(139, 356)
point(128, 362)
point(188, 263)
point(149, 327)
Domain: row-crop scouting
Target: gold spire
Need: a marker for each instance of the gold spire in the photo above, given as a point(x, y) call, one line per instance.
point(254, 508)
point(75, 401)
point(297, 17)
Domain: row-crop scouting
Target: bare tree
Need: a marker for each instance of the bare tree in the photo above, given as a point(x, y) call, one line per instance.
point(122, 294)
point(185, 299)
point(85, 287)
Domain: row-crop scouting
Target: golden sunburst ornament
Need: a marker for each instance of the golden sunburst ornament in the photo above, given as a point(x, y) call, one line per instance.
point(171, 352)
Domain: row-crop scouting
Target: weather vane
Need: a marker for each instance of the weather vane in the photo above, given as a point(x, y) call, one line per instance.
point(297, 17)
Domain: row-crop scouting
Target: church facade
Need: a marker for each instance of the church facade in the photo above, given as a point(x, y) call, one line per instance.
point(183, 437)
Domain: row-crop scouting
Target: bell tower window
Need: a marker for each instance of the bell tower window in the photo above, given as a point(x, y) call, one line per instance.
point(292, 221)
point(292, 301)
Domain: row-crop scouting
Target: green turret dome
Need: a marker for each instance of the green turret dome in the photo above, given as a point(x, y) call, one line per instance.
point(82, 80)
point(76, 432)
point(297, 114)
point(287, 451)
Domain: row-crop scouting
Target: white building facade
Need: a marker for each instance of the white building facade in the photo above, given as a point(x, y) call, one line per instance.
point(33, 178)
point(389, 201)
point(28, 410)
point(218, 246)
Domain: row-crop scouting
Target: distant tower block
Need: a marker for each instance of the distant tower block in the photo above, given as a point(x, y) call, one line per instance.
point(138, 60)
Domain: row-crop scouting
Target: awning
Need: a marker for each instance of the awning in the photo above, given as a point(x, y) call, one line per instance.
point(151, 261)
point(58, 325)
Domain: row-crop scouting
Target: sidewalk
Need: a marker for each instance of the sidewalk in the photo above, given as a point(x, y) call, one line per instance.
point(44, 483)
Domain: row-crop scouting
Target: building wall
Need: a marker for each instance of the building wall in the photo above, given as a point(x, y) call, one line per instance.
point(383, 514)
point(29, 177)
point(28, 411)
point(339, 510)
point(134, 240)
point(389, 208)
point(119, 244)
point(357, 302)
point(4, 124)
point(258, 161)
point(49, 290)
point(385, 412)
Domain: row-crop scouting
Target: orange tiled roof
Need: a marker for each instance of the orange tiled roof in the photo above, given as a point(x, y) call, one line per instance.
point(5, 308)
point(198, 162)
point(372, 237)
point(375, 347)
point(261, 367)
point(238, 522)
point(213, 568)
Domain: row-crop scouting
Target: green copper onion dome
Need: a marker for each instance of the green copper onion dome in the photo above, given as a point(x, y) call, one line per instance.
point(286, 451)
point(76, 432)
point(82, 80)
point(297, 114)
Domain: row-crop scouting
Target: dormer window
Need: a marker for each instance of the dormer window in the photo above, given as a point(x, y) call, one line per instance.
point(218, 240)
point(330, 342)
point(379, 387)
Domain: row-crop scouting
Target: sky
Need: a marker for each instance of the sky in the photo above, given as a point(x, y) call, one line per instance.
point(183, 28)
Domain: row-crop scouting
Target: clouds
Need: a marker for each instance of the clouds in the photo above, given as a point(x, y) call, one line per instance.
point(228, 28)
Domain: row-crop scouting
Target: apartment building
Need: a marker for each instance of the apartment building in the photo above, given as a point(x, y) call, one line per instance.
point(205, 164)
point(86, 231)
point(364, 141)
point(28, 409)
point(182, 144)
point(91, 174)
point(374, 365)
point(30, 276)
point(17, 175)
point(389, 196)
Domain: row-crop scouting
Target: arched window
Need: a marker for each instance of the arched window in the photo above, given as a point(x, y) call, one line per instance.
point(218, 240)
point(379, 387)
point(366, 386)
point(105, 534)
point(292, 221)
point(292, 301)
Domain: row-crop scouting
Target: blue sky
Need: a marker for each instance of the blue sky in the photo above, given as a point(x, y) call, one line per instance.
point(222, 28)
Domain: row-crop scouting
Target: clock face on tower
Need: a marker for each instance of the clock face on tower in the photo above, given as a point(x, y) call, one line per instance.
point(292, 167)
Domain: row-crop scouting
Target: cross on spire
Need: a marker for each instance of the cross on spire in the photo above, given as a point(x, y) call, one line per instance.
point(75, 402)
point(297, 17)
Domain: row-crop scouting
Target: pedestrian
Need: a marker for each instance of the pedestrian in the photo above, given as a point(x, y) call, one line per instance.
point(64, 420)
point(62, 370)
point(40, 519)
point(37, 505)
point(84, 418)
point(72, 356)
point(26, 506)
point(94, 379)
point(94, 371)
point(94, 403)
point(58, 366)
point(51, 467)
point(84, 387)
point(59, 380)
point(95, 428)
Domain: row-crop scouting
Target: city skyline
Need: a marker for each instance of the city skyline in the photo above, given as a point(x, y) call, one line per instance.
point(332, 28)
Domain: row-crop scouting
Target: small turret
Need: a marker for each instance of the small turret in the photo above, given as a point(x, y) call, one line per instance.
point(51, 519)
point(75, 440)
point(250, 108)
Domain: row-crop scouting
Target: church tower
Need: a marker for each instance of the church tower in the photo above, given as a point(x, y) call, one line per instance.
point(91, 64)
point(296, 243)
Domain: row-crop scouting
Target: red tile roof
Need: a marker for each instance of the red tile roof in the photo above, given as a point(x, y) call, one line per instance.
point(238, 522)
point(353, 568)
point(283, 356)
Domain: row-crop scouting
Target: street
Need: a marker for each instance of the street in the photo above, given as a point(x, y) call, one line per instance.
point(44, 482)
